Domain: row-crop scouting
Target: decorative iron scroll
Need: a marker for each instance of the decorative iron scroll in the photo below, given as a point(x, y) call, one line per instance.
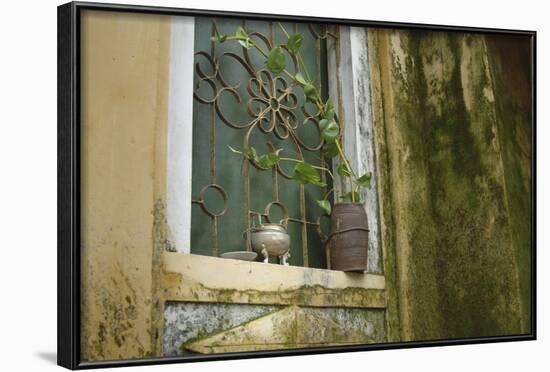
point(272, 107)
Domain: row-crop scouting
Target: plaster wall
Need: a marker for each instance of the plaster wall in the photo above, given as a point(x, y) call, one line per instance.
point(452, 122)
point(123, 124)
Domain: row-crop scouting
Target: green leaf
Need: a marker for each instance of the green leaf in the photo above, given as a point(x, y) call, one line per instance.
point(252, 154)
point(245, 43)
point(329, 110)
point(343, 170)
point(276, 61)
point(219, 38)
point(311, 93)
point(364, 180)
point(268, 160)
point(323, 123)
point(325, 205)
point(330, 150)
point(294, 42)
point(347, 197)
point(241, 32)
point(242, 37)
point(300, 79)
point(305, 173)
point(331, 131)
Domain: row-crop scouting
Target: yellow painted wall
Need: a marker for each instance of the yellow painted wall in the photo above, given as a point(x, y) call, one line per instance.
point(124, 115)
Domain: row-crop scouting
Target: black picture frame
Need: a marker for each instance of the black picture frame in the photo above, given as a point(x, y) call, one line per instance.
point(68, 253)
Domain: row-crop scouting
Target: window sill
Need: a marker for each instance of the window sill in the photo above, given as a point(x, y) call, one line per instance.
point(188, 277)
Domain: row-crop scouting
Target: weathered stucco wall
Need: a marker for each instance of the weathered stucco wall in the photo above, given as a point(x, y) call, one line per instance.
point(126, 279)
point(124, 89)
point(452, 137)
point(452, 127)
point(265, 307)
point(220, 328)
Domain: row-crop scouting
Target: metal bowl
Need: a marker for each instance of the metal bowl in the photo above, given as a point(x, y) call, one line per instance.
point(240, 255)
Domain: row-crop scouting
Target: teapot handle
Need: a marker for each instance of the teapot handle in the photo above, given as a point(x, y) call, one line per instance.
point(246, 235)
point(259, 219)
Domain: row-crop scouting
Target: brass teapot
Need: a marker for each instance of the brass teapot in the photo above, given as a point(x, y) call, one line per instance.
point(269, 240)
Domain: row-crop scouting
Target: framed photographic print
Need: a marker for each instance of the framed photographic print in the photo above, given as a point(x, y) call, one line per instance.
point(237, 185)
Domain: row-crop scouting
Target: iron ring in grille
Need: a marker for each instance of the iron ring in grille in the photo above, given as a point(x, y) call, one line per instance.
point(281, 206)
point(221, 191)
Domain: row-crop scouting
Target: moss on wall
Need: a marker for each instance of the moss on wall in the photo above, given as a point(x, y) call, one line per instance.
point(511, 71)
point(457, 149)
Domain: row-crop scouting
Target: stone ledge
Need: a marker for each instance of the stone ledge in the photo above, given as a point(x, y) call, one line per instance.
point(188, 277)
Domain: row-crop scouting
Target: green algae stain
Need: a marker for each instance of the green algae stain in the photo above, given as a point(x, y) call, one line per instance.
point(510, 66)
point(463, 261)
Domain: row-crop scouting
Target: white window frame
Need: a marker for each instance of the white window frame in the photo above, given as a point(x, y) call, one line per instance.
point(349, 87)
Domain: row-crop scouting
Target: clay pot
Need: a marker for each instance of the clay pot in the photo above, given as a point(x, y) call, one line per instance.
point(348, 239)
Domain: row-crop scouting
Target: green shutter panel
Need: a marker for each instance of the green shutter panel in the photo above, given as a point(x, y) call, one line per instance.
point(239, 103)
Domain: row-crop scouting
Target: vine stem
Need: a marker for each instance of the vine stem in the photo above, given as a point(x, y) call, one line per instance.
point(298, 54)
point(346, 162)
point(318, 103)
point(286, 159)
point(259, 49)
point(322, 109)
point(333, 190)
point(314, 166)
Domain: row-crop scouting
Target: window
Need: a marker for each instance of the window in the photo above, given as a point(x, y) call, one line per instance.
point(195, 64)
point(239, 103)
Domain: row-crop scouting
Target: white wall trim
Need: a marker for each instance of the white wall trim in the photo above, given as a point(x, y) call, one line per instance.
point(180, 134)
point(349, 78)
point(351, 72)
